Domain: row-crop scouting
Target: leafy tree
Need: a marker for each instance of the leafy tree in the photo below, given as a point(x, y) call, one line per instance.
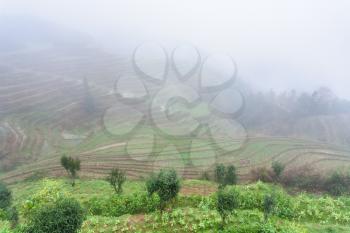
point(269, 205)
point(64, 215)
point(220, 175)
point(72, 166)
point(166, 184)
point(278, 169)
point(231, 176)
point(227, 202)
point(117, 178)
point(5, 196)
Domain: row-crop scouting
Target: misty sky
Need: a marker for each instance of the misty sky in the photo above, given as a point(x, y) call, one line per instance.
point(299, 44)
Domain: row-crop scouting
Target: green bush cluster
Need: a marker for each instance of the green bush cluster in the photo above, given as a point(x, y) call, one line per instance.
point(7, 212)
point(166, 184)
point(52, 210)
point(64, 215)
point(197, 220)
point(225, 175)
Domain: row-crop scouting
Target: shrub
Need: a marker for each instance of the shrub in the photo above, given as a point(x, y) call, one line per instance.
point(269, 205)
point(12, 216)
point(167, 186)
point(5, 196)
point(220, 175)
point(117, 179)
point(64, 215)
point(231, 176)
point(278, 169)
point(152, 184)
point(227, 201)
point(337, 184)
point(50, 192)
point(71, 165)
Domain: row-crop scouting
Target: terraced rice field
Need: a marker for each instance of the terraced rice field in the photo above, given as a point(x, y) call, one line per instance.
point(42, 116)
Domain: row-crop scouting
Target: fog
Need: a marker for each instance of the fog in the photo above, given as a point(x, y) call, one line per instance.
point(276, 44)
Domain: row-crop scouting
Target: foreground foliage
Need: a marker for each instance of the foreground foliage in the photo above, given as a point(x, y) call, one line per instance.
point(136, 210)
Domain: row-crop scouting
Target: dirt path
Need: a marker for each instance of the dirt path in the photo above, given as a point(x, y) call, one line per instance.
point(104, 148)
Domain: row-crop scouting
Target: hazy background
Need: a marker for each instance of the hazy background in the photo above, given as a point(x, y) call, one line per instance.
point(277, 44)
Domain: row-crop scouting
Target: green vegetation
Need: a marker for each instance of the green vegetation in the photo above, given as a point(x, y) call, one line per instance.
point(116, 179)
point(72, 166)
point(166, 184)
point(225, 175)
point(244, 208)
point(62, 215)
point(269, 205)
point(5, 196)
point(7, 212)
point(227, 201)
point(278, 169)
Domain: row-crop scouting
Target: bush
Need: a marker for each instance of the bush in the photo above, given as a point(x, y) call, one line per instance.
point(269, 205)
point(220, 175)
point(116, 180)
point(231, 176)
point(12, 216)
point(227, 201)
point(278, 169)
point(166, 184)
point(337, 184)
point(64, 215)
point(5, 196)
point(50, 192)
point(152, 184)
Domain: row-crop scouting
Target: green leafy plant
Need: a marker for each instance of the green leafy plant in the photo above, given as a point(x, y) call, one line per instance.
point(5, 196)
point(231, 176)
point(220, 175)
point(227, 201)
point(71, 165)
point(63, 215)
point(269, 205)
point(337, 184)
point(166, 184)
point(116, 179)
point(278, 169)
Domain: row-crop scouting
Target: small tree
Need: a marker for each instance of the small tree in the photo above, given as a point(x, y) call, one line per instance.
point(220, 175)
point(278, 169)
point(166, 184)
point(5, 196)
point(269, 205)
point(72, 166)
point(117, 178)
point(227, 202)
point(231, 176)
